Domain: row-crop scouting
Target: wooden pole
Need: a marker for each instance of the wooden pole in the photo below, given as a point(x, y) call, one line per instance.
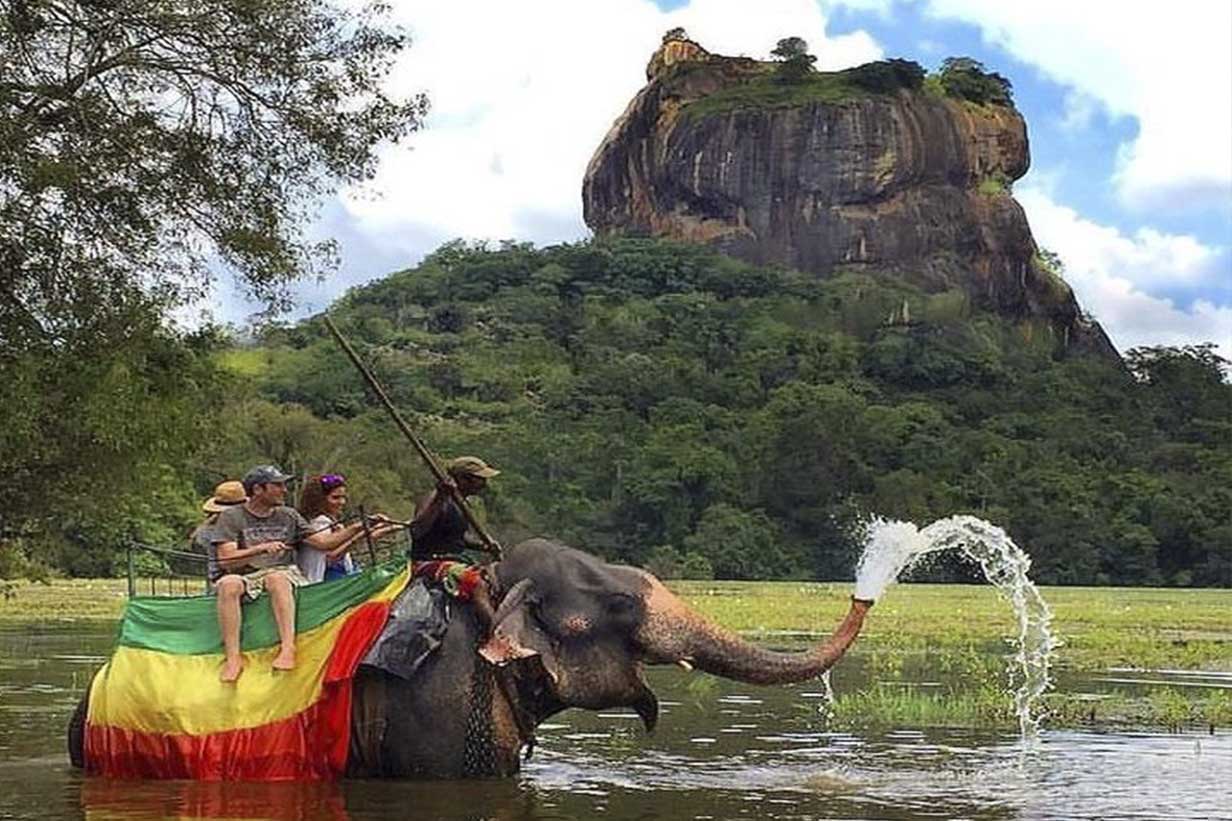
point(489, 544)
point(363, 518)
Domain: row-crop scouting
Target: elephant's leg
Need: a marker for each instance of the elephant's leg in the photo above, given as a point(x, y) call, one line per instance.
point(369, 722)
point(77, 733)
point(450, 721)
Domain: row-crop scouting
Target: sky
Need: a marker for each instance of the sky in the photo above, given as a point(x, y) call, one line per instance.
point(1128, 106)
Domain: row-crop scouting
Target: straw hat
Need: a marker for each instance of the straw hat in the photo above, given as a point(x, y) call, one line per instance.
point(227, 494)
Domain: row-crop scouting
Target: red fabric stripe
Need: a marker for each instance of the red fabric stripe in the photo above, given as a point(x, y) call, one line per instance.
point(356, 636)
point(311, 745)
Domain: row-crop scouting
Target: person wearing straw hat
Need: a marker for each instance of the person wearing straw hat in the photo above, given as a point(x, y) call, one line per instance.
point(227, 494)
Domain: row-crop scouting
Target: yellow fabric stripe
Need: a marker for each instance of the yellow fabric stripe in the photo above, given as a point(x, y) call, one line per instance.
point(155, 692)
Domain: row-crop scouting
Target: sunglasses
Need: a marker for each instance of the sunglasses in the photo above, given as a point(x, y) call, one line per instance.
point(332, 480)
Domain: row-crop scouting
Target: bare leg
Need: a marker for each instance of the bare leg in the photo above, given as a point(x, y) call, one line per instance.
point(282, 599)
point(228, 592)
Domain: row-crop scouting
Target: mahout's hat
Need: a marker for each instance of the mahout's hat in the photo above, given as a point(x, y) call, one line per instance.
point(471, 466)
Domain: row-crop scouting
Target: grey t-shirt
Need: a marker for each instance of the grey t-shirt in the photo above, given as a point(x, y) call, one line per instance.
point(242, 526)
point(203, 543)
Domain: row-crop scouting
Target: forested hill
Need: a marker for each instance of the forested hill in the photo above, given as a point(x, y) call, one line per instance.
point(671, 407)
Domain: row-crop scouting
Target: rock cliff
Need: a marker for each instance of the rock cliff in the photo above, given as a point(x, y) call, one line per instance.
point(827, 175)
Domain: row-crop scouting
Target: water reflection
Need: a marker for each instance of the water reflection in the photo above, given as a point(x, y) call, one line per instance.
point(106, 800)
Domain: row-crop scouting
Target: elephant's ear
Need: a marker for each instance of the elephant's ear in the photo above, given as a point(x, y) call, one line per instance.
point(516, 634)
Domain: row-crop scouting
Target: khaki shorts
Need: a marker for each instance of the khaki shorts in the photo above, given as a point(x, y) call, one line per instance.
point(254, 582)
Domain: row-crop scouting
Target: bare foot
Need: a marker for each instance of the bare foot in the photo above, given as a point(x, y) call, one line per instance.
point(285, 660)
point(231, 669)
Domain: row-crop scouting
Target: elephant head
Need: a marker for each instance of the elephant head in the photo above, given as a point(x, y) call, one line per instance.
point(576, 632)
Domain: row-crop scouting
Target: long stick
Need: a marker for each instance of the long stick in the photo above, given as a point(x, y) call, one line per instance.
point(363, 517)
point(490, 544)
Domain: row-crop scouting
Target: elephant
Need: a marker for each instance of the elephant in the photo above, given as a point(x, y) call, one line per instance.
point(570, 630)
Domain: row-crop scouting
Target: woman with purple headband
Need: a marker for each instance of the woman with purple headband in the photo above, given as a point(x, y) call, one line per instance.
point(321, 503)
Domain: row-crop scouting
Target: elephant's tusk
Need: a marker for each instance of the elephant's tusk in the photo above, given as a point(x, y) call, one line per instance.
point(683, 664)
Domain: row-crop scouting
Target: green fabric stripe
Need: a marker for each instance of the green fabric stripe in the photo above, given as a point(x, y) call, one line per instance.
point(189, 626)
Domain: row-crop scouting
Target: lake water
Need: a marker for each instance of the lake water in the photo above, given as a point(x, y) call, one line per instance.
point(722, 751)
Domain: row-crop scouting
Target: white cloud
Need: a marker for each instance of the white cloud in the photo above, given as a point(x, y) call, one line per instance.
point(1110, 273)
point(1169, 66)
point(1079, 111)
point(522, 94)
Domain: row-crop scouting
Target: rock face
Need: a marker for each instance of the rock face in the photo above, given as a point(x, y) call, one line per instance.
point(909, 183)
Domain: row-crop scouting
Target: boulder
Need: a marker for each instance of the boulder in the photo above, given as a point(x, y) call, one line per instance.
point(828, 175)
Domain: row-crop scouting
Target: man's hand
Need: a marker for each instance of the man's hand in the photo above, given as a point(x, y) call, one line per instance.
point(473, 542)
point(448, 486)
point(273, 548)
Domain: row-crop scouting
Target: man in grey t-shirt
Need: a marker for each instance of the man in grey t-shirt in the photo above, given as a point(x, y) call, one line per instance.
point(226, 495)
point(255, 548)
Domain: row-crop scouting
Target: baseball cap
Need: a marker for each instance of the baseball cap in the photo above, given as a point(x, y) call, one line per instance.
point(263, 475)
point(471, 466)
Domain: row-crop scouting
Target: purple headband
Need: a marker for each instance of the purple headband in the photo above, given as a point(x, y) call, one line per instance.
point(329, 481)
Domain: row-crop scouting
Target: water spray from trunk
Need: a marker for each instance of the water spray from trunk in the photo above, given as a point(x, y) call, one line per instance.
point(893, 547)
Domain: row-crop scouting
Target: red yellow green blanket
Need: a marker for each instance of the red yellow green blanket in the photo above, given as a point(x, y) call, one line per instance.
point(158, 710)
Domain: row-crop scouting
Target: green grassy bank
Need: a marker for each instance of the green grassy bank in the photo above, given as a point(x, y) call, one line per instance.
point(955, 638)
point(952, 636)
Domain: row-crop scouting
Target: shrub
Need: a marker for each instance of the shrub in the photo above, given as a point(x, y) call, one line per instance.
point(666, 562)
point(967, 79)
point(994, 184)
point(16, 563)
point(886, 76)
point(795, 63)
point(449, 318)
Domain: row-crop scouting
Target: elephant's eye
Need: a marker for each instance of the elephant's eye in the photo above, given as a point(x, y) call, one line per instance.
point(621, 604)
point(619, 601)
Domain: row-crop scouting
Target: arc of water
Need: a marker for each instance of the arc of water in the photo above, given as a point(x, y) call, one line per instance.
point(893, 547)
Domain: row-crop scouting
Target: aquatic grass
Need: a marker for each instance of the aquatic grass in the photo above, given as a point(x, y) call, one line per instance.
point(886, 704)
point(1169, 708)
point(895, 704)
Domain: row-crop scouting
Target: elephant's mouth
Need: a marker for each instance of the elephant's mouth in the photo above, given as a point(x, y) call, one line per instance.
point(646, 705)
point(542, 693)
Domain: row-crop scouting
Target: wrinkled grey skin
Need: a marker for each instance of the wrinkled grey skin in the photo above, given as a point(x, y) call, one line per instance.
point(572, 631)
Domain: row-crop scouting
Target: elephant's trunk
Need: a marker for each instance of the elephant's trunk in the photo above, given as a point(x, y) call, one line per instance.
point(672, 633)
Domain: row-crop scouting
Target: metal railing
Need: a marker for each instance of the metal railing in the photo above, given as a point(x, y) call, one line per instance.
point(165, 569)
point(169, 572)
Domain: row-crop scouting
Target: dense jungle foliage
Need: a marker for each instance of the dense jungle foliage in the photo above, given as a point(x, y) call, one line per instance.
point(144, 149)
point(670, 407)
